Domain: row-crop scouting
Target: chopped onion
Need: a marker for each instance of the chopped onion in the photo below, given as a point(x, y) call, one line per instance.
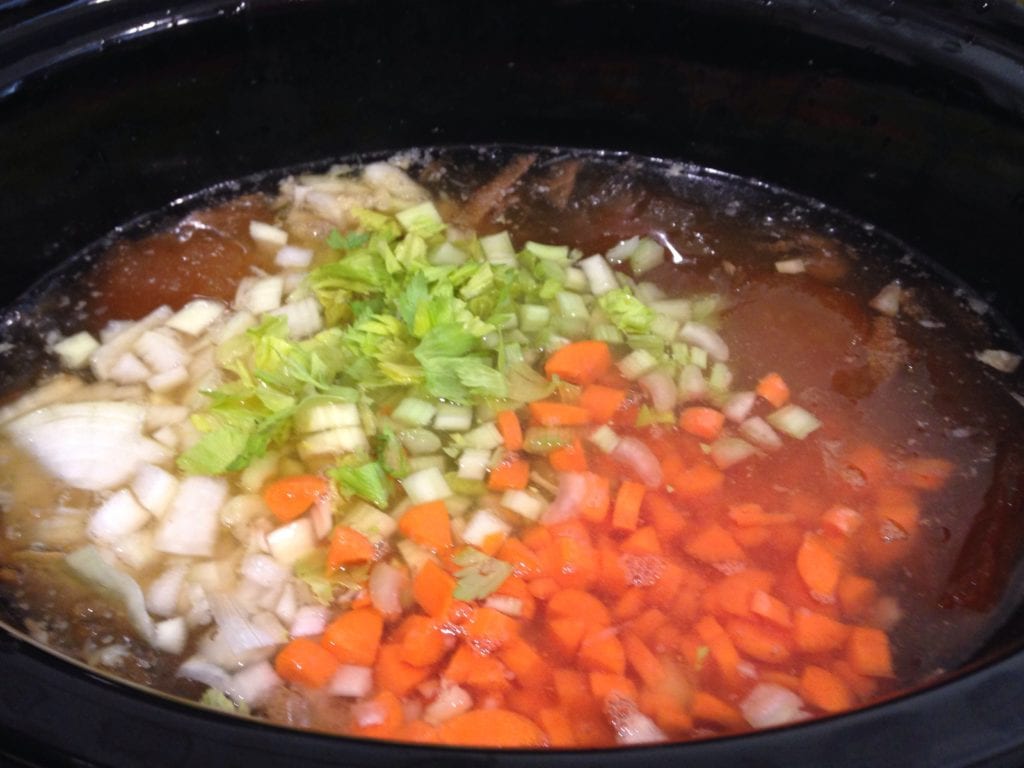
point(510, 606)
point(640, 459)
point(1000, 359)
point(170, 635)
point(117, 517)
point(190, 525)
point(523, 503)
point(309, 620)
point(631, 726)
point(692, 385)
point(74, 351)
point(164, 591)
point(293, 257)
point(206, 672)
point(366, 714)
point(196, 316)
point(238, 631)
point(386, 584)
point(155, 488)
point(89, 564)
point(267, 234)
point(661, 388)
point(259, 295)
point(287, 605)
point(727, 451)
point(303, 317)
point(426, 485)
point(888, 300)
point(253, 684)
point(706, 338)
point(351, 681)
point(451, 700)
point(89, 445)
point(790, 266)
point(794, 421)
point(572, 487)
point(160, 351)
point(473, 464)
point(739, 405)
point(769, 705)
point(482, 526)
point(263, 569)
point(292, 541)
point(759, 432)
point(321, 515)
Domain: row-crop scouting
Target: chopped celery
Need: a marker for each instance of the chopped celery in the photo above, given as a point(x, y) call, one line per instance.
point(637, 363)
point(572, 305)
point(605, 438)
point(646, 256)
point(533, 317)
point(549, 252)
point(498, 249)
point(422, 220)
point(414, 412)
point(543, 440)
point(370, 521)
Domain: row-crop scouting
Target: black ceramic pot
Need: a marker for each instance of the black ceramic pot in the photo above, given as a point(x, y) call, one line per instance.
point(908, 114)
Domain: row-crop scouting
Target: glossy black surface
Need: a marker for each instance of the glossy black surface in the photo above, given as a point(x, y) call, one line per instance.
point(910, 115)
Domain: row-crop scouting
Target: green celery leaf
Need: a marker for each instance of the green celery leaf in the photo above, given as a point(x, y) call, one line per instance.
point(480, 575)
point(626, 311)
point(368, 481)
point(347, 242)
point(218, 700)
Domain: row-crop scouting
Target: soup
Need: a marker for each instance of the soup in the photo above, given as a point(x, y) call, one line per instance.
point(511, 450)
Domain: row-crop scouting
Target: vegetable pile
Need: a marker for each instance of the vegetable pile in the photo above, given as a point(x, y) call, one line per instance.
point(483, 494)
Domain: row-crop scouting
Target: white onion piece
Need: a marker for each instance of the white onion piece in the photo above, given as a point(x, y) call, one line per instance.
point(452, 700)
point(727, 451)
point(739, 405)
point(205, 672)
point(572, 486)
point(706, 338)
point(309, 620)
point(88, 445)
point(190, 525)
point(89, 564)
point(385, 587)
point(160, 351)
point(662, 390)
point(321, 515)
point(631, 726)
point(291, 541)
point(769, 705)
point(263, 569)
point(293, 257)
point(351, 681)
point(253, 684)
point(196, 316)
point(482, 526)
point(888, 300)
point(303, 317)
point(170, 635)
point(760, 432)
point(164, 591)
point(117, 517)
point(155, 488)
point(638, 457)
point(238, 631)
point(368, 713)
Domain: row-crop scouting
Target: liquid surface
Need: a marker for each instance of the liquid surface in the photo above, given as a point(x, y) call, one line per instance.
point(917, 437)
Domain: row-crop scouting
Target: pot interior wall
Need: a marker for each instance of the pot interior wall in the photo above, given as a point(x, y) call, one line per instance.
point(898, 120)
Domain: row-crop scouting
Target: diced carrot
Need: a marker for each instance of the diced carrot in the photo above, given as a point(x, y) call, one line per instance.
point(432, 589)
point(817, 633)
point(868, 652)
point(643, 541)
point(557, 726)
point(289, 497)
point(566, 634)
point(869, 462)
point(752, 538)
point(480, 671)
point(773, 389)
point(551, 414)
point(511, 430)
point(926, 474)
point(511, 473)
point(305, 662)
point(771, 608)
point(354, 637)
point(843, 520)
point(604, 685)
point(721, 648)
point(689, 591)
point(648, 622)
point(667, 710)
point(577, 604)
point(779, 678)
point(701, 421)
point(825, 690)
point(428, 525)
point(668, 520)
point(711, 709)
point(392, 672)
point(627, 505)
point(544, 587)
point(572, 689)
point(581, 362)
point(613, 576)
point(491, 728)
point(348, 546)
point(758, 641)
point(526, 664)
point(391, 717)
point(569, 458)
point(418, 732)
point(524, 561)
point(751, 515)
point(630, 604)
point(489, 629)
point(423, 643)
point(526, 701)
point(856, 594)
point(819, 567)
point(513, 586)
point(733, 593)
point(696, 481)
point(602, 651)
point(642, 660)
point(602, 402)
point(863, 687)
point(577, 560)
point(899, 506)
point(714, 545)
